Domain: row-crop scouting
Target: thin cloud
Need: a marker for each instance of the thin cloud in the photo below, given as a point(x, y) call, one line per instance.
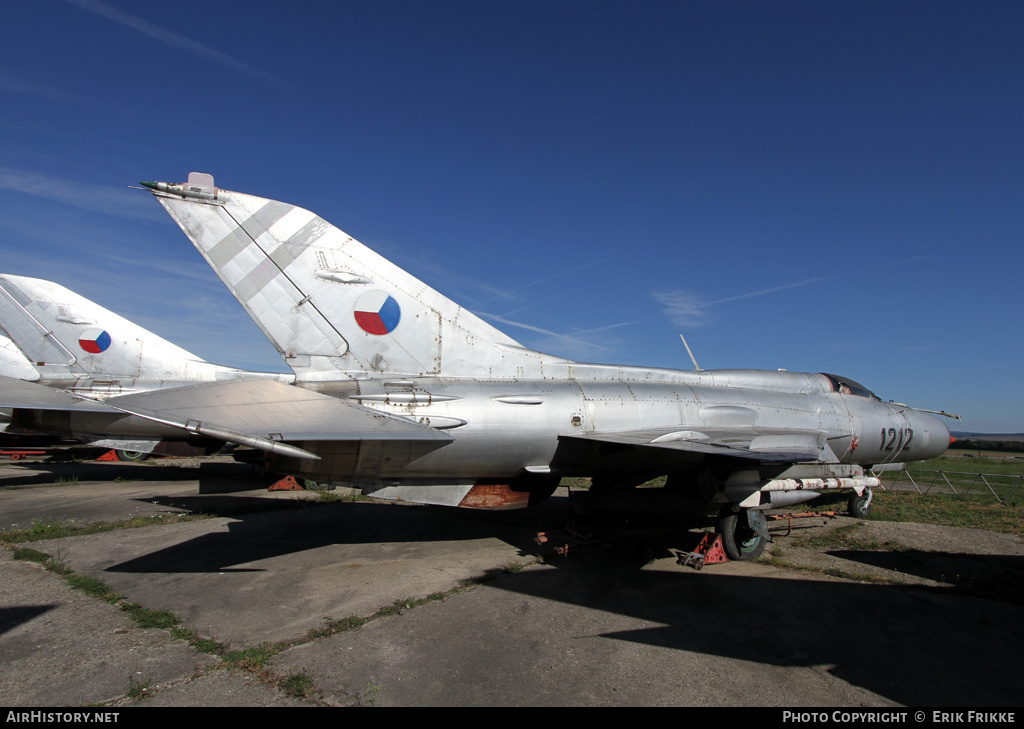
point(509, 292)
point(96, 198)
point(683, 308)
point(687, 309)
point(172, 39)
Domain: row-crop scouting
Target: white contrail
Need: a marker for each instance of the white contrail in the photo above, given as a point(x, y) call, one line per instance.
point(172, 39)
point(765, 291)
point(687, 309)
point(532, 328)
point(502, 294)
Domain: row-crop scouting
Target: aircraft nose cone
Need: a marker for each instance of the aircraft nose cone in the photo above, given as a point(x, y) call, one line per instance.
point(931, 435)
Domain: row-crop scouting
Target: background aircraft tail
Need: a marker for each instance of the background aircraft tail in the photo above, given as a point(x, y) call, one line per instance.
point(14, 364)
point(331, 306)
point(68, 338)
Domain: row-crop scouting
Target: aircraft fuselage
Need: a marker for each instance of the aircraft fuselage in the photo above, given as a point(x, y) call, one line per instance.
point(503, 428)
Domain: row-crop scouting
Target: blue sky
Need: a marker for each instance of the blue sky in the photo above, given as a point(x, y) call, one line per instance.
point(815, 186)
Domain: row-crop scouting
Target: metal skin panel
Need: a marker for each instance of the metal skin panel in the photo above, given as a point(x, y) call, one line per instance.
point(33, 338)
point(14, 364)
point(276, 410)
point(469, 416)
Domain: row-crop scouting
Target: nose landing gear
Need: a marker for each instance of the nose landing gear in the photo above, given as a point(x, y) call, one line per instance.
point(860, 505)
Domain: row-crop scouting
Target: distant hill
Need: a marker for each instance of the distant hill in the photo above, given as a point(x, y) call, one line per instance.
point(1005, 442)
point(989, 436)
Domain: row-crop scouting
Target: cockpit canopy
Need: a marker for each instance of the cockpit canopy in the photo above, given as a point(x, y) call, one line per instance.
point(848, 387)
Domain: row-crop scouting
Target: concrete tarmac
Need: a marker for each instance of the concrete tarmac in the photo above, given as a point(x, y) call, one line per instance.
point(506, 624)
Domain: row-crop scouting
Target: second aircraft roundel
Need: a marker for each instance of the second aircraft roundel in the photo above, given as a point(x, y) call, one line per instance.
point(94, 341)
point(377, 312)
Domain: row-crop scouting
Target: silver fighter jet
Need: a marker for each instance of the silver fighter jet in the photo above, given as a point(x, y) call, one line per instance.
point(404, 393)
point(505, 423)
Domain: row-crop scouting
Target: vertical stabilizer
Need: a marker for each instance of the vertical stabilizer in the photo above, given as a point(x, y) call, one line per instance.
point(330, 305)
point(14, 364)
point(67, 337)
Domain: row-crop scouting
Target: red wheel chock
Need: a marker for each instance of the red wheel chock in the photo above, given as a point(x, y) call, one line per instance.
point(709, 551)
point(288, 483)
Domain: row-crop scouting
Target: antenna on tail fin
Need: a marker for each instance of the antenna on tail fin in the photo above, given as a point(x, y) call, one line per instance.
point(690, 352)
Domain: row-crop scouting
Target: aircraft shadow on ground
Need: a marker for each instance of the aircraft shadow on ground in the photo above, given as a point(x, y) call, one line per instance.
point(266, 529)
point(94, 473)
point(916, 646)
point(213, 477)
point(12, 617)
point(996, 576)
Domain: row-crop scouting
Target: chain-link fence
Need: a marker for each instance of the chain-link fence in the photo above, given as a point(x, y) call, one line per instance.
point(1001, 487)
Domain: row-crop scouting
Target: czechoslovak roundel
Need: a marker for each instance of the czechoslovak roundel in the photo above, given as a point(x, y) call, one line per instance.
point(94, 341)
point(377, 312)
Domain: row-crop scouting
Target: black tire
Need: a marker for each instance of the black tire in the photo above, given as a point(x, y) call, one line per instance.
point(739, 539)
point(860, 506)
point(131, 456)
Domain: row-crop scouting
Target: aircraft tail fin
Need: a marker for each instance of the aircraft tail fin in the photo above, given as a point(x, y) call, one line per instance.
point(331, 306)
point(67, 337)
point(13, 362)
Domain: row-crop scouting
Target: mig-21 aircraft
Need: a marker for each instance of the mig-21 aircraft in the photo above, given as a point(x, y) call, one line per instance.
point(60, 339)
point(407, 395)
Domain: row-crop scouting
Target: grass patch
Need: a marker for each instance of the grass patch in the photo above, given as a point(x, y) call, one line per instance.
point(253, 659)
point(777, 558)
point(203, 645)
point(146, 618)
point(137, 690)
point(971, 512)
point(845, 537)
point(39, 531)
point(299, 685)
point(368, 697)
point(1003, 477)
point(30, 555)
point(90, 586)
point(83, 583)
point(142, 616)
point(974, 511)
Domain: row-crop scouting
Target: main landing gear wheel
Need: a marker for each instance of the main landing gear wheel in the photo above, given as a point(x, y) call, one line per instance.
point(131, 456)
point(739, 538)
point(859, 506)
